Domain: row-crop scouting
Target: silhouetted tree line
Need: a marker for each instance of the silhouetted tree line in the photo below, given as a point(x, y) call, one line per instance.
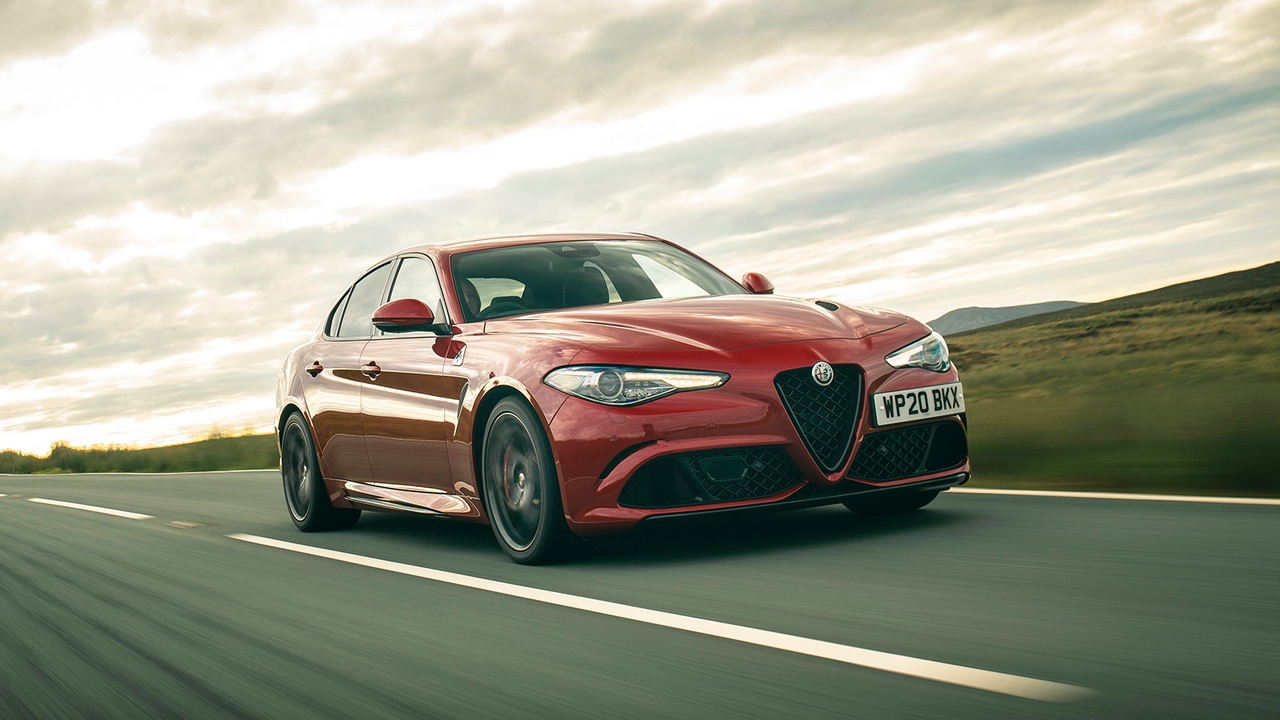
point(248, 452)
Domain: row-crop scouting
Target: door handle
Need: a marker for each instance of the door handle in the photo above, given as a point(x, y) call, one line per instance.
point(315, 368)
point(371, 370)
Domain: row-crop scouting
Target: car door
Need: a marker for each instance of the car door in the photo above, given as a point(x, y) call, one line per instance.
point(406, 409)
point(333, 382)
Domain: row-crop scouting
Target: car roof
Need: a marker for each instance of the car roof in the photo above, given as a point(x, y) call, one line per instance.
point(459, 246)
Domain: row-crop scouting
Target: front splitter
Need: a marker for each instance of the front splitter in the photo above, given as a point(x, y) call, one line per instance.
point(811, 498)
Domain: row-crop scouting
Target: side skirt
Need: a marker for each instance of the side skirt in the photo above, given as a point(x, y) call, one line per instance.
point(405, 499)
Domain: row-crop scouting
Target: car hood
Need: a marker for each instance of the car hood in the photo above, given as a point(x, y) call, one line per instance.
point(720, 324)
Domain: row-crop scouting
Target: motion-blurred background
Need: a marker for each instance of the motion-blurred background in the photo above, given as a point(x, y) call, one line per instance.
point(186, 187)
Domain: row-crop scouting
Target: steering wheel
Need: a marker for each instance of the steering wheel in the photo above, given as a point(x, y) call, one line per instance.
point(504, 305)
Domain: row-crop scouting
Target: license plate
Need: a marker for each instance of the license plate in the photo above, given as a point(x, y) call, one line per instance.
point(918, 403)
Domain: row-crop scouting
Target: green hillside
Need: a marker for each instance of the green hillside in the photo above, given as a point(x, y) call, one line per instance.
point(247, 452)
point(1171, 390)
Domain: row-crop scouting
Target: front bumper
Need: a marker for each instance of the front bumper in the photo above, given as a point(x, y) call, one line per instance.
point(599, 450)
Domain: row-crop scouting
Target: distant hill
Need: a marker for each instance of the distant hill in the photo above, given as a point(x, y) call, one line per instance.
point(1242, 281)
point(1170, 390)
point(972, 318)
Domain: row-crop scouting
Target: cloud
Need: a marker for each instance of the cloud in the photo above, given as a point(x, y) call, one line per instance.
point(473, 80)
point(35, 28)
point(42, 27)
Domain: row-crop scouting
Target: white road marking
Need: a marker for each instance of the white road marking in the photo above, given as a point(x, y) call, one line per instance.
point(996, 682)
point(183, 524)
point(92, 508)
point(3, 495)
point(1120, 496)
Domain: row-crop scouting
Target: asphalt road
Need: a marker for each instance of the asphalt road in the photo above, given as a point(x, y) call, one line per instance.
point(1155, 609)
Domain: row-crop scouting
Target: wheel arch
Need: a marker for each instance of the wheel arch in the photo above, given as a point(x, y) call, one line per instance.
point(480, 419)
point(282, 417)
point(494, 392)
point(289, 409)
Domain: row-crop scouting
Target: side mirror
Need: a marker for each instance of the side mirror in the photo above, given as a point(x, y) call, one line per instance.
point(403, 315)
point(757, 284)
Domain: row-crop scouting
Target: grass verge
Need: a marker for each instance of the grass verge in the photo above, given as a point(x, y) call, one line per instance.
point(1174, 397)
point(247, 452)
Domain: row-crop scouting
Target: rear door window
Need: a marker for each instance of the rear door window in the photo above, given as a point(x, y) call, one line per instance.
point(335, 316)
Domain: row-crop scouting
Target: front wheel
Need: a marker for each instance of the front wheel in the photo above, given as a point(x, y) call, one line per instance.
point(889, 503)
point(304, 491)
point(521, 491)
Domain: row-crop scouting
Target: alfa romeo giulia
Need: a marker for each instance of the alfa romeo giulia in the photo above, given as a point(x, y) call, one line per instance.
point(564, 386)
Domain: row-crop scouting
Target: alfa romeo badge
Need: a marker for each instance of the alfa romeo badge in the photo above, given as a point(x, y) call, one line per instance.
point(823, 373)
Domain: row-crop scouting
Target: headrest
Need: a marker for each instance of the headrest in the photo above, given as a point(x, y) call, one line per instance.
point(470, 296)
point(585, 286)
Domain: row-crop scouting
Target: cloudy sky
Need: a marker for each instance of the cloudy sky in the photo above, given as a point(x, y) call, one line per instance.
point(185, 187)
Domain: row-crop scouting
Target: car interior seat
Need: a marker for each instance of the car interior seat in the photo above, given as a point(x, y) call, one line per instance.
point(585, 286)
point(470, 296)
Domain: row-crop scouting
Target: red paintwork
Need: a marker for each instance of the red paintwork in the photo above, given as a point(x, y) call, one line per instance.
point(412, 427)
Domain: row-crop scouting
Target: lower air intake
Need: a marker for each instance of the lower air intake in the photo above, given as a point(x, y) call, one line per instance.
point(710, 477)
point(910, 451)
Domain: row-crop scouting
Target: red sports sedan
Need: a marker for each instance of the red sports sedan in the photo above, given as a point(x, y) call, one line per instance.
point(563, 386)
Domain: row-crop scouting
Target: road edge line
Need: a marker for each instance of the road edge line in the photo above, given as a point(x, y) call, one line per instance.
point(1206, 499)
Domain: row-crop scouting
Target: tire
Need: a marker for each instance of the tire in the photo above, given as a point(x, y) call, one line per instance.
point(890, 503)
point(521, 490)
point(305, 496)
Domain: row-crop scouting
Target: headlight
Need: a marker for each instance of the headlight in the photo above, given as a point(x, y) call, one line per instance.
point(930, 353)
point(629, 386)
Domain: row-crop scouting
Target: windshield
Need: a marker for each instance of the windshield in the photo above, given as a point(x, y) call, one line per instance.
point(552, 276)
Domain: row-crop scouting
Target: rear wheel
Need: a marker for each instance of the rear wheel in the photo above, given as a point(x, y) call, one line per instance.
point(521, 491)
point(304, 492)
point(889, 503)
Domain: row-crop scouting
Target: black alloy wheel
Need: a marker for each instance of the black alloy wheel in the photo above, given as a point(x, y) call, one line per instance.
point(521, 491)
point(304, 491)
point(890, 502)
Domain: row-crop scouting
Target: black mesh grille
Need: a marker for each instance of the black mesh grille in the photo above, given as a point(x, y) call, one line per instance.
point(711, 477)
point(901, 453)
point(768, 472)
point(824, 416)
